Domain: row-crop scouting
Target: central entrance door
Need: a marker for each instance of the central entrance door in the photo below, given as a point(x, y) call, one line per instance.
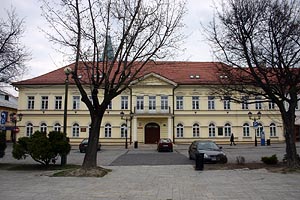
point(152, 133)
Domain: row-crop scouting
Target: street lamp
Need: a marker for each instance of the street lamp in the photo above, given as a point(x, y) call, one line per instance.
point(14, 118)
point(254, 118)
point(126, 120)
point(68, 71)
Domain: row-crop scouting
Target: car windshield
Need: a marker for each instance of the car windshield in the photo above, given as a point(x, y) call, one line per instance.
point(207, 145)
point(165, 140)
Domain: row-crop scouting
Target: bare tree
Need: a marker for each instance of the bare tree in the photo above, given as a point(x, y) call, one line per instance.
point(261, 40)
point(13, 54)
point(141, 31)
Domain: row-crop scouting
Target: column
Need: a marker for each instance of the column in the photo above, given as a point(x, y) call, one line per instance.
point(170, 130)
point(134, 129)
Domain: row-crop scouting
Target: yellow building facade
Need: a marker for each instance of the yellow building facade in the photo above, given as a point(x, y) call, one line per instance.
point(155, 106)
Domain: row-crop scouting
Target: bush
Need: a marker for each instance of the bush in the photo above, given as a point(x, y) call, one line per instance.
point(41, 148)
point(2, 143)
point(270, 160)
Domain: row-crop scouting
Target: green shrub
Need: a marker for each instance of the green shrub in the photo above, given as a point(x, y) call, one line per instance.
point(41, 148)
point(2, 143)
point(272, 160)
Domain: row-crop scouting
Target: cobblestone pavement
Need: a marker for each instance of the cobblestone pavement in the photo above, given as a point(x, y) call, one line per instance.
point(145, 182)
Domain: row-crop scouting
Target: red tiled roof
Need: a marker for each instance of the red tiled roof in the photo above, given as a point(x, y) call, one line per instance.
point(181, 73)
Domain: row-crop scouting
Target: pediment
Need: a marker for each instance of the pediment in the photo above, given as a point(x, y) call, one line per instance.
point(153, 79)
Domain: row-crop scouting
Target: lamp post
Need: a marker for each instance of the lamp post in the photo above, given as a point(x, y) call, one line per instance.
point(126, 120)
point(255, 124)
point(14, 118)
point(67, 71)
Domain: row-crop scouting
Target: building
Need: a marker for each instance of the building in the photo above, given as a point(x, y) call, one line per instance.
point(8, 108)
point(171, 100)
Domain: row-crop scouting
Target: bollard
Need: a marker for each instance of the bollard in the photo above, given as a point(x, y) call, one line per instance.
point(199, 161)
point(268, 142)
point(136, 144)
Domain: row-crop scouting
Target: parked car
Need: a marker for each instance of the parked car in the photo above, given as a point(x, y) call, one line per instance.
point(212, 152)
point(165, 144)
point(83, 145)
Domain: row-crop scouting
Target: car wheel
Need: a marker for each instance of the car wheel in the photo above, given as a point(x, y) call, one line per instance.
point(223, 160)
point(190, 157)
point(81, 151)
point(171, 150)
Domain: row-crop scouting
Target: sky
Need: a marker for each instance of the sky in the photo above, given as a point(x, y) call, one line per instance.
point(44, 57)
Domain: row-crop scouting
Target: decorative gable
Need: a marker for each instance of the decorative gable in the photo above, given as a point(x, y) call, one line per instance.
point(153, 79)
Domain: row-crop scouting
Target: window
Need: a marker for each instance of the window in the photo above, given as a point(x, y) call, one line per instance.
point(195, 103)
point(44, 103)
point(246, 130)
point(179, 130)
point(272, 130)
point(29, 129)
point(6, 97)
point(76, 102)
point(179, 102)
point(164, 102)
point(123, 131)
point(43, 128)
point(211, 130)
point(258, 104)
point(124, 102)
point(107, 131)
point(152, 103)
point(226, 103)
point(75, 130)
point(58, 102)
point(211, 103)
point(259, 130)
point(196, 130)
point(109, 106)
point(245, 105)
point(57, 127)
point(30, 104)
point(271, 105)
point(140, 103)
point(227, 130)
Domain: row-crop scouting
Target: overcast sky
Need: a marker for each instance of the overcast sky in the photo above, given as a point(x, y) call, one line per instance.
point(45, 58)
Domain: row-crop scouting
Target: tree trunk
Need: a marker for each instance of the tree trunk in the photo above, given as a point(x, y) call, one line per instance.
point(291, 151)
point(90, 158)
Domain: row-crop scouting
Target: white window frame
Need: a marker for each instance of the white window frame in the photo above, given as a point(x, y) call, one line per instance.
point(227, 130)
point(226, 103)
point(246, 130)
point(107, 130)
point(179, 102)
point(123, 130)
point(124, 102)
point(164, 103)
point(30, 102)
point(140, 103)
point(29, 129)
point(58, 103)
point(179, 130)
point(57, 127)
point(273, 130)
point(196, 130)
point(75, 130)
point(195, 103)
point(152, 103)
point(212, 130)
point(76, 102)
point(211, 102)
point(43, 127)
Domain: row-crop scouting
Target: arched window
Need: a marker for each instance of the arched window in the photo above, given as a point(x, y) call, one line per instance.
point(123, 131)
point(196, 130)
point(259, 130)
point(43, 128)
point(57, 127)
point(179, 130)
point(246, 130)
point(211, 130)
point(227, 129)
point(75, 130)
point(29, 129)
point(272, 130)
point(107, 131)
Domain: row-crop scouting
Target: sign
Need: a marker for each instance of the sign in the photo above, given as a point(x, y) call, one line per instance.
point(16, 130)
point(4, 115)
point(255, 124)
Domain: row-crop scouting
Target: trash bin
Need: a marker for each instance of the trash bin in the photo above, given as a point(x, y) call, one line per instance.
point(136, 144)
point(268, 142)
point(199, 161)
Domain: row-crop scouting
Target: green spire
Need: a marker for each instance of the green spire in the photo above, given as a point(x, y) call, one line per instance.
point(108, 50)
